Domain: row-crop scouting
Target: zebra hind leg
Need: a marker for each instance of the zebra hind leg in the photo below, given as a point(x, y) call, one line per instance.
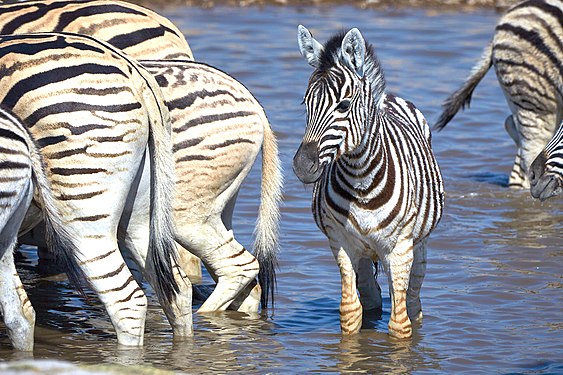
point(18, 313)
point(229, 263)
point(134, 243)
point(19, 316)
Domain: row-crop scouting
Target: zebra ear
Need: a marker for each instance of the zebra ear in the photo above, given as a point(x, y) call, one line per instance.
point(353, 51)
point(308, 46)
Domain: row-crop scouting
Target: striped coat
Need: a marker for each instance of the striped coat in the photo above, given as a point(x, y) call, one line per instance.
point(527, 54)
point(102, 126)
point(546, 172)
point(378, 191)
point(137, 31)
point(218, 129)
point(22, 172)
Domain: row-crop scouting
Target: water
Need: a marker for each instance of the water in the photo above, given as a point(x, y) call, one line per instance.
point(492, 298)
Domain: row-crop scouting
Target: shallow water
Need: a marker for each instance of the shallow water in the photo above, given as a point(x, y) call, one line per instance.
point(492, 298)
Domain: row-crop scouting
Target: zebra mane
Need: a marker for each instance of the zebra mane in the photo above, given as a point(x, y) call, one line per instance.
point(330, 56)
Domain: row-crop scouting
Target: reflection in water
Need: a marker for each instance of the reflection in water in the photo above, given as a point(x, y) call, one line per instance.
point(492, 296)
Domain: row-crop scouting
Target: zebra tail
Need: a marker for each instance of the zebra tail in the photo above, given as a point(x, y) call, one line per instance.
point(266, 232)
point(161, 254)
point(462, 97)
point(61, 242)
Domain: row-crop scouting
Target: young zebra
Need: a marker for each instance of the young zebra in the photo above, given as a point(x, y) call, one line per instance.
point(527, 53)
point(101, 124)
point(378, 191)
point(218, 128)
point(546, 171)
point(22, 170)
point(139, 32)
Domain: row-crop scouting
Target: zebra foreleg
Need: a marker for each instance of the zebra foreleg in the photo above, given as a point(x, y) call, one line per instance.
point(351, 311)
point(398, 264)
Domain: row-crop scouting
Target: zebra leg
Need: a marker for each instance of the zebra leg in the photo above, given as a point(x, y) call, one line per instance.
point(370, 292)
point(228, 262)
point(18, 313)
point(510, 127)
point(534, 131)
point(418, 271)
point(351, 310)
point(398, 264)
point(134, 228)
point(19, 316)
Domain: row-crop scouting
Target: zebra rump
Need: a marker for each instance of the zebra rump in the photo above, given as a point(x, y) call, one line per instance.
point(527, 54)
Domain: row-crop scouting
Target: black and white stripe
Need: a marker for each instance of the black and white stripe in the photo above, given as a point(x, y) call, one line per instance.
point(378, 190)
point(218, 129)
point(22, 171)
point(101, 124)
point(138, 31)
point(546, 171)
point(527, 54)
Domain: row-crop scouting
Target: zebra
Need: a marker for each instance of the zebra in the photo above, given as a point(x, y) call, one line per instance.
point(378, 191)
point(101, 124)
point(546, 171)
point(218, 128)
point(22, 170)
point(240, 133)
point(137, 31)
point(527, 54)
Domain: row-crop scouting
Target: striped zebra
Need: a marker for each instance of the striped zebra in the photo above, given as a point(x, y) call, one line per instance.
point(546, 171)
point(234, 124)
point(22, 170)
point(378, 191)
point(527, 54)
point(141, 33)
point(218, 128)
point(137, 31)
point(101, 124)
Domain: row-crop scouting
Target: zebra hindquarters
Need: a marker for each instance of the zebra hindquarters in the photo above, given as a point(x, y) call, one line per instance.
point(134, 243)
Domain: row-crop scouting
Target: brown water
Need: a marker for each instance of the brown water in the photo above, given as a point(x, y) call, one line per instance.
point(492, 298)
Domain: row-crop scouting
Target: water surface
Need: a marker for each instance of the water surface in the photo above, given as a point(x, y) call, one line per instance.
point(492, 298)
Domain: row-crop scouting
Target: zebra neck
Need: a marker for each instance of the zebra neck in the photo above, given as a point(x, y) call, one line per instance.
point(363, 166)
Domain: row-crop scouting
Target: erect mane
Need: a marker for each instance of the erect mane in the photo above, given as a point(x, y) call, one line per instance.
point(330, 56)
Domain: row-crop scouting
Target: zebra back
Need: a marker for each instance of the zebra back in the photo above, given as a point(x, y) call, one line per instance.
point(138, 31)
point(49, 78)
point(22, 163)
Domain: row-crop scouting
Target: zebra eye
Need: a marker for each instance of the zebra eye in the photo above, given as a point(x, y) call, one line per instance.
point(343, 106)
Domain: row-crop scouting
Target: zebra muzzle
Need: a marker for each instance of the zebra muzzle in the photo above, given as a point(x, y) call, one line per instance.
point(306, 164)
